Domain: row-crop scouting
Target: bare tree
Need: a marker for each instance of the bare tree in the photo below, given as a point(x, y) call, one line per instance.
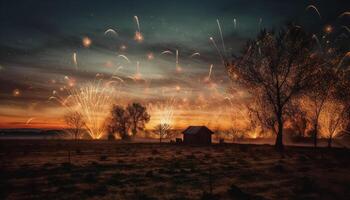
point(163, 130)
point(138, 117)
point(333, 120)
point(76, 122)
point(298, 119)
point(279, 67)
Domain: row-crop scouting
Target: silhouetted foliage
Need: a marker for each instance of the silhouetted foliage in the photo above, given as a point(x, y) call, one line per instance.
point(276, 67)
point(122, 120)
point(138, 117)
point(163, 130)
point(76, 122)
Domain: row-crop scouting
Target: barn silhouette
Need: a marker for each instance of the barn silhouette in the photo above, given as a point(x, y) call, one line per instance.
point(197, 135)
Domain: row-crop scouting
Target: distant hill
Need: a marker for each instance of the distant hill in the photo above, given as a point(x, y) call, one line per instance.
point(29, 133)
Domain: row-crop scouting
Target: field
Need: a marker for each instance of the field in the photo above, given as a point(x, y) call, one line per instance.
point(54, 169)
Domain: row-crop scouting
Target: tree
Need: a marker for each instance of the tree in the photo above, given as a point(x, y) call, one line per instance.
point(119, 122)
point(76, 122)
point(298, 119)
point(278, 67)
point(333, 120)
point(163, 130)
point(138, 117)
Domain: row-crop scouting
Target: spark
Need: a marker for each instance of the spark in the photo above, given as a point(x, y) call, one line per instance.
point(122, 47)
point(195, 54)
point(344, 14)
point(137, 23)
point(178, 68)
point(216, 47)
point(93, 101)
point(29, 120)
point(150, 56)
point(123, 56)
point(314, 8)
point(342, 60)
point(166, 52)
point(16, 92)
point(317, 41)
point(222, 38)
point(75, 60)
point(138, 35)
point(86, 42)
point(210, 70)
point(164, 112)
point(110, 30)
point(328, 29)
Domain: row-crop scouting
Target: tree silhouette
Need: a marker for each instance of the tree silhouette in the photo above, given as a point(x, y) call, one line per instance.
point(278, 67)
point(119, 122)
point(138, 117)
point(163, 130)
point(75, 121)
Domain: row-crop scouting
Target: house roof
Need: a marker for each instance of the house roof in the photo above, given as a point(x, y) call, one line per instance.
point(196, 129)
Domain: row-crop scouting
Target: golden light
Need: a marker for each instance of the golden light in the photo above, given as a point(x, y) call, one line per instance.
point(86, 42)
point(16, 92)
point(328, 29)
point(138, 36)
point(178, 88)
point(178, 69)
point(108, 64)
point(150, 56)
point(122, 47)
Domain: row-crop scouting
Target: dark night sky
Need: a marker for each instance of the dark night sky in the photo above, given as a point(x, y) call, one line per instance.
point(38, 39)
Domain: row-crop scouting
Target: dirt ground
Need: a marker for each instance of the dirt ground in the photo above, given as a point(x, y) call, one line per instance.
point(53, 169)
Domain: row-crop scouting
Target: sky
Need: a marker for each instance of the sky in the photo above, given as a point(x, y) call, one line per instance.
point(44, 52)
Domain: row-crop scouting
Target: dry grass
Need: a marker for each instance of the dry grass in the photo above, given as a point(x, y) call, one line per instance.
point(110, 170)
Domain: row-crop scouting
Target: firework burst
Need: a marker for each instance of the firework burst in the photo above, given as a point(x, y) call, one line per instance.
point(93, 101)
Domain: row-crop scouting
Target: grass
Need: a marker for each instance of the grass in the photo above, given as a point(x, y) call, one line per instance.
point(108, 170)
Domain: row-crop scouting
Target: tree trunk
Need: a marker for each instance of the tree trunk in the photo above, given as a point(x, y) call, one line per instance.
point(160, 139)
point(279, 139)
point(330, 142)
point(315, 134)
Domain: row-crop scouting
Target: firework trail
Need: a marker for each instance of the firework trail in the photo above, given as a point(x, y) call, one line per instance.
point(315, 9)
point(123, 56)
point(317, 41)
point(75, 60)
point(216, 47)
point(93, 101)
point(210, 70)
point(344, 14)
point(178, 68)
point(112, 31)
point(30, 120)
point(164, 112)
point(342, 60)
point(346, 28)
point(137, 23)
point(138, 35)
point(222, 38)
point(195, 54)
point(234, 23)
point(166, 52)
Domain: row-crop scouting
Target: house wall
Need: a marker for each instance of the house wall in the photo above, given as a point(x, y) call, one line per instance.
point(197, 139)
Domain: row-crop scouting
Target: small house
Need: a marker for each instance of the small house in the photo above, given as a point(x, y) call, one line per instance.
point(197, 135)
